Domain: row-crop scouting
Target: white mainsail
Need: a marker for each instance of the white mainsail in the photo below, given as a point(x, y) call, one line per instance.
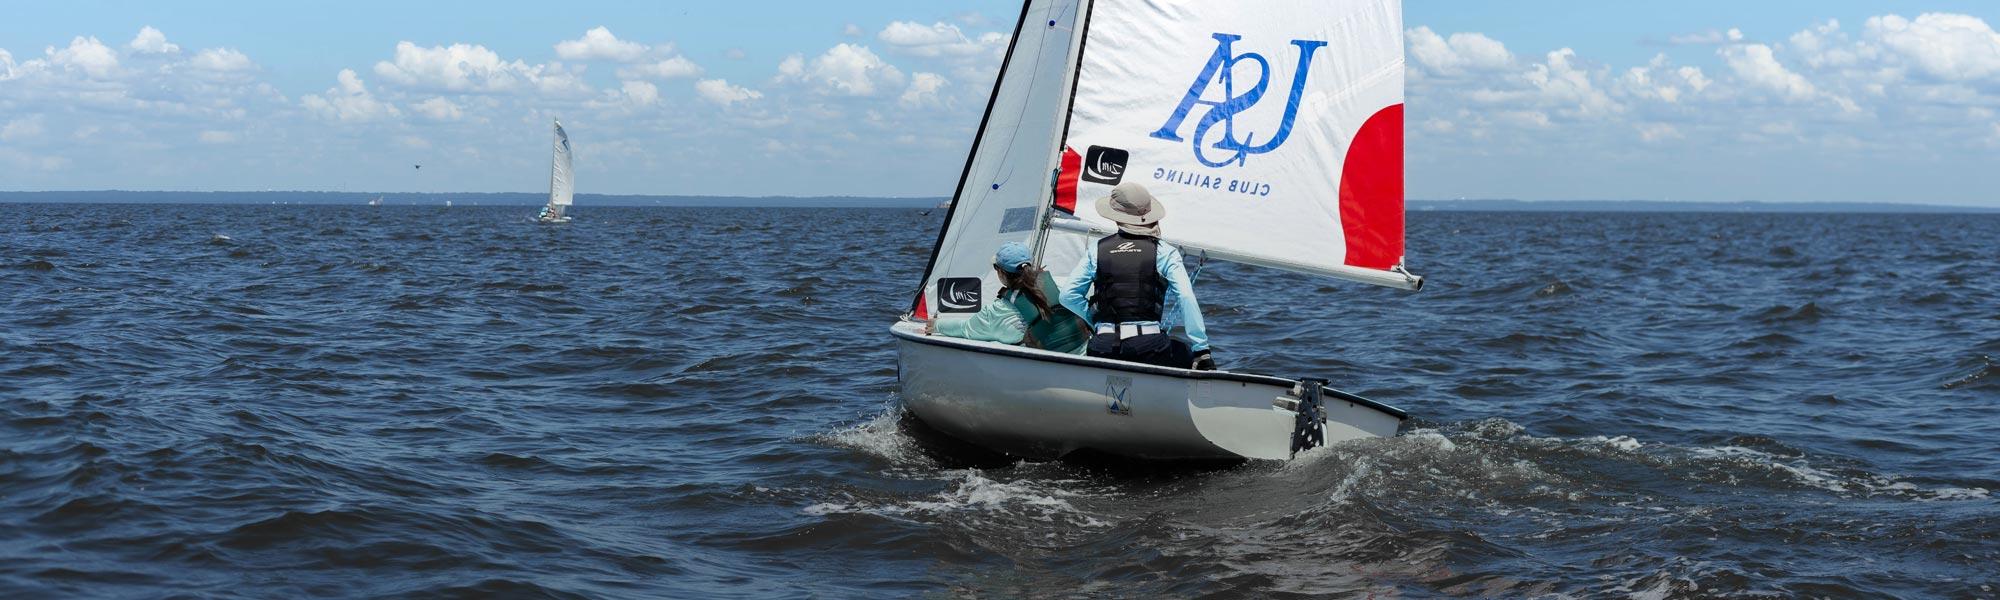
point(562, 185)
point(1007, 177)
point(1271, 130)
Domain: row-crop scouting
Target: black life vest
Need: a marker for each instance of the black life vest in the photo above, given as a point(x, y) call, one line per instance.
point(1128, 285)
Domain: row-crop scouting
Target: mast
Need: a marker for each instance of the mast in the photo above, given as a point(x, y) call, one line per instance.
point(555, 137)
point(1042, 213)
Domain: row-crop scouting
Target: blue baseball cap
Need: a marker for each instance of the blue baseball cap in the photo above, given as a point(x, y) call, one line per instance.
point(1011, 256)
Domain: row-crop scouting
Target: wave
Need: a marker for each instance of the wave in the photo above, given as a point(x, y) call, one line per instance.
point(1809, 312)
point(969, 491)
point(1984, 374)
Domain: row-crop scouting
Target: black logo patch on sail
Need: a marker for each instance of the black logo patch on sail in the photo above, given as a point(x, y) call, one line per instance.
point(1104, 165)
point(958, 295)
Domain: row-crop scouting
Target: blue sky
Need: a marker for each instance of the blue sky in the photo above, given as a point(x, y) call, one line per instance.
point(1701, 100)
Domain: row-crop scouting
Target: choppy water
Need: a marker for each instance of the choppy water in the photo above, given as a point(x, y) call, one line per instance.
point(345, 401)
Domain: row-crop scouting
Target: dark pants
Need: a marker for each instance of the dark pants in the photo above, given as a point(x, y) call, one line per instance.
point(1154, 349)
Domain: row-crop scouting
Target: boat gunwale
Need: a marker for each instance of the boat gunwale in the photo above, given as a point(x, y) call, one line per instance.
point(1132, 367)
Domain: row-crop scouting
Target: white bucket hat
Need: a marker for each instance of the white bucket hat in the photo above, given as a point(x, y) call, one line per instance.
point(1132, 208)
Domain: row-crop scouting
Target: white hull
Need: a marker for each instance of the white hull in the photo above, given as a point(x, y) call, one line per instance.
point(1038, 404)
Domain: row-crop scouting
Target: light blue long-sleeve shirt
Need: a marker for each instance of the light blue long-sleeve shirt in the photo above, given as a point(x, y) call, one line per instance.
point(1180, 308)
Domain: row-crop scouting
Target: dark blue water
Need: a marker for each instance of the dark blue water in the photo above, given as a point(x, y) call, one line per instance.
point(346, 401)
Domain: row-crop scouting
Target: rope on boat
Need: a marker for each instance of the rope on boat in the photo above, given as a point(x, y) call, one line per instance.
point(1309, 427)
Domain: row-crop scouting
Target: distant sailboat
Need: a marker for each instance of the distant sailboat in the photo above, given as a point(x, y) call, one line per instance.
point(376, 202)
point(562, 186)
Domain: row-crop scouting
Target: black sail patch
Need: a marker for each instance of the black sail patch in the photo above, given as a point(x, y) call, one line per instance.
point(958, 295)
point(1105, 165)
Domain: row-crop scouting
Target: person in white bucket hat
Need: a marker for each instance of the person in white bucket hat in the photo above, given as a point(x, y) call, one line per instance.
point(1134, 288)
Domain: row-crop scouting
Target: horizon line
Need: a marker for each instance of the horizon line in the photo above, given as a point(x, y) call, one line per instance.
point(1933, 204)
point(329, 198)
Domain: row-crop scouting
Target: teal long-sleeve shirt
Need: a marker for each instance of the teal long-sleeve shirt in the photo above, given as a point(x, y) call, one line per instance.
point(997, 321)
point(1181, 307)
point(1004, 320)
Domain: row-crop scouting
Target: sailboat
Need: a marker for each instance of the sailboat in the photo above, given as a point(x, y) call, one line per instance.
point(1273, 133)
point(376, 202)
point(562, 184)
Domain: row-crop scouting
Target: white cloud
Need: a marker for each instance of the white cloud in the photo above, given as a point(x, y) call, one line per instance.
point(600, 44)
point(1948, 47)
point(923, 90)
point(22, 129)
point(1825, 46)
point(1562, 81)
point(1460, 53)
point(1712, 37)
point(630, 96)
point(1756, 65)
point(468, 68)
point(413, 142)
point(349, 101)
point(735, 54)
point(853, 30)
point(33, 162)
point(221, 60)
point(216, 137)
point(6, 65)
point(671, 68)
point(151, 41)
point(938, 39)
point(845, 70)
point(1657, 132)
point(439, 109)
point(721, 93)
point(1660, 80)
point(85, 54)
point(640, 93)
point(1531, 119)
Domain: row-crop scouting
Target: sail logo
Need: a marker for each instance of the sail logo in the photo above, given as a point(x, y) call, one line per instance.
point(1221, 68)
point(958, 294)
point(1105, 165)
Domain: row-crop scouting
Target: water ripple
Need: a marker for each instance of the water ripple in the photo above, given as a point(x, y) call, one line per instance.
point(391, 401)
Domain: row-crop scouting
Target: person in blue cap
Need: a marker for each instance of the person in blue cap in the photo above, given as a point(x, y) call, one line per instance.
point(1022, 313)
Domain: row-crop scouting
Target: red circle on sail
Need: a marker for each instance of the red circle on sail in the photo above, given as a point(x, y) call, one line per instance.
point(1371, 192)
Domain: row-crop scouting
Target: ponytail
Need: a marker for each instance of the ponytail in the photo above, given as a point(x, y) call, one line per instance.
point(1029, 283)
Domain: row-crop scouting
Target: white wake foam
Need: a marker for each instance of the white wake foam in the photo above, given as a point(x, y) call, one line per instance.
point(971, 492)
point(878, 436)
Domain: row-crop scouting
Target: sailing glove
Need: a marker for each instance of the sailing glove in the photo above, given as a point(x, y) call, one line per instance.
point(1203, 362)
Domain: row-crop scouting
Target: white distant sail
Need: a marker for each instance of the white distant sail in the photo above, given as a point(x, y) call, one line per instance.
point(562, 182)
